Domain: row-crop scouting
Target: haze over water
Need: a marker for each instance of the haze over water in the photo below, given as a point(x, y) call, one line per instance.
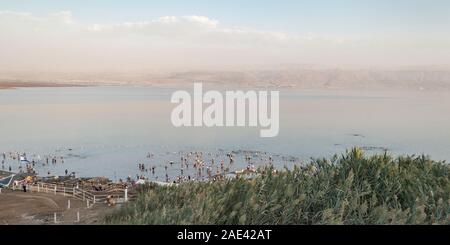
point(107, 131)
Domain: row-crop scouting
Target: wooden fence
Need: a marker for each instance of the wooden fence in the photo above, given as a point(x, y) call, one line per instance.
point(91, 198)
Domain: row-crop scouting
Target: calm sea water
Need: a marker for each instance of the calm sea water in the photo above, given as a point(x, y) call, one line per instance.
point(107, 131)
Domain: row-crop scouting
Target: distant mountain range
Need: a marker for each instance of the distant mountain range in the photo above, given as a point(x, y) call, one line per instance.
point(426, 79)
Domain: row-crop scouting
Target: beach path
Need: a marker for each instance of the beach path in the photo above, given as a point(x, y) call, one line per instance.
point(39, 208)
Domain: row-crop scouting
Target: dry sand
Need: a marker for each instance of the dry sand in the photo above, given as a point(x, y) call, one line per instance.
point(38, 208)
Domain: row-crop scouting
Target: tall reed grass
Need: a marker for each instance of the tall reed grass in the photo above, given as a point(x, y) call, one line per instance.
point(347, 189)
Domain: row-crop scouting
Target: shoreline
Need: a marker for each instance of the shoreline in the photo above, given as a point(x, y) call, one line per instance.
point(213, 85)
point(14, 85)
point(301, 78)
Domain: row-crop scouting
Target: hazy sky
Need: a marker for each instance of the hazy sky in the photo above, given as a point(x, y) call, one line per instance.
point(229, 34)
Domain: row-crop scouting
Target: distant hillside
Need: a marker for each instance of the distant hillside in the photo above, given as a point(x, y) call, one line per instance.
point(426, 79)
point(325, 78)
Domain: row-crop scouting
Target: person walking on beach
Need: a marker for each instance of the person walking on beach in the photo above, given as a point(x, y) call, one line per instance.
point(66, 172)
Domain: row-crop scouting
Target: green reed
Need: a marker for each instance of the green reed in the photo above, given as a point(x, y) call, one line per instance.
point(347, 189)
